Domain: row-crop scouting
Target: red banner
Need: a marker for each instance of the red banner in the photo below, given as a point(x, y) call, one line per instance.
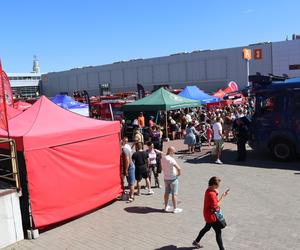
point(6, 98)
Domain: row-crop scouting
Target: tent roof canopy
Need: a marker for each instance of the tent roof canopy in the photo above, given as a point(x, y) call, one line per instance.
point(193, 92)
point(67, 102)
point(12, 112)
point(161, 99)
point(45, 124)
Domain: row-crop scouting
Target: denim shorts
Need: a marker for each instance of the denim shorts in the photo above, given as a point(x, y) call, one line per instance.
point(171, 187)
point(131, 174)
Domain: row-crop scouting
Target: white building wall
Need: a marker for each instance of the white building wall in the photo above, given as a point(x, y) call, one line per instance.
point(209, 70)
point(284, 54)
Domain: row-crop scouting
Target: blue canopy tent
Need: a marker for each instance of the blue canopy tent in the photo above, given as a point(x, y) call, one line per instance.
point(193, 92)
point(70, 104)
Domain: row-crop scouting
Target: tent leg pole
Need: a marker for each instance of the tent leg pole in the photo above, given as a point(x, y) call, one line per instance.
point(167, 124)
point(31, 233)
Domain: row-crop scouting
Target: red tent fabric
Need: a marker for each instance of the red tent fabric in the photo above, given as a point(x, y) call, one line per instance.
point(72, 162)
point(220, 93)
point(12, 112)
point(22, 105)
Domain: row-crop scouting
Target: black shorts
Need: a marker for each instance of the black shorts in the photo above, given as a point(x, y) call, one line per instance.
point(141, 172)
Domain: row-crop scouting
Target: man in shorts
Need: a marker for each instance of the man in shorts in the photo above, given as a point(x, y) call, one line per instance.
point(218, 139)
point(140, 159)
point(138, 138)
point(171, 172)
point(129, 167)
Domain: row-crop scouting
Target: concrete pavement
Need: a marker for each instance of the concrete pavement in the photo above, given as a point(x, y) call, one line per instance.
point(262, 211)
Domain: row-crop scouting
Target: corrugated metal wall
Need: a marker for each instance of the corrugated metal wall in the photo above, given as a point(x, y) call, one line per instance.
point(210, 70)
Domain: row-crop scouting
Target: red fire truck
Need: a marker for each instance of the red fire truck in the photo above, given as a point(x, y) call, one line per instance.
point(108, 109)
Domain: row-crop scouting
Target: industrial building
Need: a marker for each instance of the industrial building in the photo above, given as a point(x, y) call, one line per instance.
point(208, 69)
point(26, 84)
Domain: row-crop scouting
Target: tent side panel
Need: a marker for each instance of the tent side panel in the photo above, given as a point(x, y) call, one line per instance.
point(69, 180)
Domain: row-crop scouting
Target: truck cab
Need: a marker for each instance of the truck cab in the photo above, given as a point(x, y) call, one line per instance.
point(275, 125)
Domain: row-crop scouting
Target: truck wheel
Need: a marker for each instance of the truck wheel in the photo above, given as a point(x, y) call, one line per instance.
point(282, 150)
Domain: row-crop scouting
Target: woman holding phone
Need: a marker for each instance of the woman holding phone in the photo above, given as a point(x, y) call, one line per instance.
point(211, 204)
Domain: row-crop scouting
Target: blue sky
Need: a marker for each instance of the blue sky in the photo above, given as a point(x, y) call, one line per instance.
point(74, 33)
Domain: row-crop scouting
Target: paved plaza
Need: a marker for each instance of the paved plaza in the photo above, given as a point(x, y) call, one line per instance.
point(262, 211)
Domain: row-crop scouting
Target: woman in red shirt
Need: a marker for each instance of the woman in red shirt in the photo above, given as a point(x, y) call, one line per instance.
point(211, 204)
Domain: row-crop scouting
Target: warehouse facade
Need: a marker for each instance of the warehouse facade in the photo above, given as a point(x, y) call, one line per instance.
point(208, 69)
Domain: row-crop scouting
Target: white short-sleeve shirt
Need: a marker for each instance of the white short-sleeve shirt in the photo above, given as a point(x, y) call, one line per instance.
point(216, 128)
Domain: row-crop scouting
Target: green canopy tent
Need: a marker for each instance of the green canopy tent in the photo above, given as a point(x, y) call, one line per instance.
point(160, 100)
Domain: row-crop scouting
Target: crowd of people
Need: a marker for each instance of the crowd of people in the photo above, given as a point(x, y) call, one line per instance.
point(197, 127)
point(144, 157)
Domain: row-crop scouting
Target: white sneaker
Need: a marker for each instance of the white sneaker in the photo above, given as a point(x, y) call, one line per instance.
point(150, 191)
point(218, 161)
point(177, 210)
point(168, 209)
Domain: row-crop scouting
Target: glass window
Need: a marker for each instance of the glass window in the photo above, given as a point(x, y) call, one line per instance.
point(294, 67)
point(269, 103)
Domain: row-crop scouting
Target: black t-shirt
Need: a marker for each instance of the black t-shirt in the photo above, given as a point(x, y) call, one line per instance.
point(140, 158)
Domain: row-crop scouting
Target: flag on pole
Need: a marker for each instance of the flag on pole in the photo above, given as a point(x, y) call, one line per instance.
point(232, 87)
point(6, 98)
point(141, 91)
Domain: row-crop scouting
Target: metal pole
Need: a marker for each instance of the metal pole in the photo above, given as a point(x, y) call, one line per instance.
point(248, 70)
point(156, 119)
point(111, 112)
point(14, 162)
point(166, 124)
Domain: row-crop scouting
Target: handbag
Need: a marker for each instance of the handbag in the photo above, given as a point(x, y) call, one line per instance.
point(220, 220)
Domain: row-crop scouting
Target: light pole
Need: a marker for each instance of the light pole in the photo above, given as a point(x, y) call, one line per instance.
point(248, 72)
point(247, 56)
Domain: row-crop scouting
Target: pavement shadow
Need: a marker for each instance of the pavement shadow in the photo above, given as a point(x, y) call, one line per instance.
point(143, 210)
point(254, 159)
point(172, 247)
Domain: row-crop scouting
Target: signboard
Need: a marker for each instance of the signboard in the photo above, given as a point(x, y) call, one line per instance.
point(104, 89)
point(257, 54)
point(247, 54)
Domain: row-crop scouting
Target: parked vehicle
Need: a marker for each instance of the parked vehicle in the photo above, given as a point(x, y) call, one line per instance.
point(275, 125)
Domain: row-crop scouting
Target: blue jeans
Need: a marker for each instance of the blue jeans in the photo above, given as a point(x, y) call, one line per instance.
point(131, 174)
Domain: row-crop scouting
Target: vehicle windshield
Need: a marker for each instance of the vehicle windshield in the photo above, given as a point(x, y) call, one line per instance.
point(267, 103)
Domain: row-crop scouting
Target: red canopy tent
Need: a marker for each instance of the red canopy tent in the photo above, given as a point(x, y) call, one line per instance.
point(72, 162)
point(12, 112)
point(22, 105)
